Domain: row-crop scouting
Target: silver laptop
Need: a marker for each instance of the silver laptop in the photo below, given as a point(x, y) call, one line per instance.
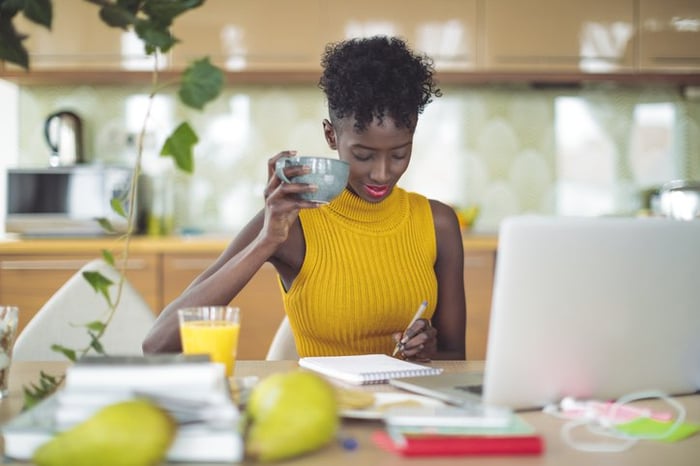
point(587, 307)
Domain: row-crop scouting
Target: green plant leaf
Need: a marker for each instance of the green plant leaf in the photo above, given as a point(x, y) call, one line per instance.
point(108, 257)
point(118, 207)
point(99, 283)
point(39, 11)
point(179, 146)
point(131, 6)
point(164, 11)
point(67, 352)
point(35, 393)
point(155, 36)
point(117, 16)
point(11, 48)
point(11, 7)
point(95, 344)
point(201, 83)
point(105, 224)
point(95, 325)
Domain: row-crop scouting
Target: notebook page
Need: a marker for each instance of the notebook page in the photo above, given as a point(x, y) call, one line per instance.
point(365, 368)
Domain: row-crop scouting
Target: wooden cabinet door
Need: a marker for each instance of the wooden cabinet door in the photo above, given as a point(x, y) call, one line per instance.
point(251, 35)
point(444, 29)
point(28, 281)
point(79, 41)
point(260, 301)
point(556, 35)
point(478, 286)
point(669, 35)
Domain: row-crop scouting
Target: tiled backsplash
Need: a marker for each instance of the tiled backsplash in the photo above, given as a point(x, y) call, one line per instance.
point(509, 149)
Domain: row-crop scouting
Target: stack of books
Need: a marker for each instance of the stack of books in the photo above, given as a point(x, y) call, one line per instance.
point(192, 389)
point(455, 431)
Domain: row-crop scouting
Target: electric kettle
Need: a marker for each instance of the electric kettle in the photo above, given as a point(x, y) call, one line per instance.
point(63, 131)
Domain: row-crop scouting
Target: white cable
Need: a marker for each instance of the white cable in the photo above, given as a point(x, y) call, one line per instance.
point(599, 447)
point(604, 425)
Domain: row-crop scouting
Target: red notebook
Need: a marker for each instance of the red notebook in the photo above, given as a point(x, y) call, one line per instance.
point(459, 445)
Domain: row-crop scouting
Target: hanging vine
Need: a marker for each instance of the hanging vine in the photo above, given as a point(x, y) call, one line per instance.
point(200, 83)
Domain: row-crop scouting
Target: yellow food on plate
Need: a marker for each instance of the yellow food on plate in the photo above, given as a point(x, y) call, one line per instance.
point(353, 399)
point(399, 404)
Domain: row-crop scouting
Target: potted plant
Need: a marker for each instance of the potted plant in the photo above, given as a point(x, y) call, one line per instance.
point(201, 82)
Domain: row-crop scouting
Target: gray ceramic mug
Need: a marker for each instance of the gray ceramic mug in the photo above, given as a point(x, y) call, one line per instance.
point(330, 175)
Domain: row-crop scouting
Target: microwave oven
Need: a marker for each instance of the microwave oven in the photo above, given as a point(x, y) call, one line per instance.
point(66, 201)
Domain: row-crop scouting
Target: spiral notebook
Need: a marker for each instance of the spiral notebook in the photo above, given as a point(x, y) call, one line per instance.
point(365, 369)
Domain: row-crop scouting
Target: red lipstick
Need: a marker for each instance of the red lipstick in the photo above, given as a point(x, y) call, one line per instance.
point(376, 191)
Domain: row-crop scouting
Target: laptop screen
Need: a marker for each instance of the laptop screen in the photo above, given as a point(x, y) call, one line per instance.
point(593, 308)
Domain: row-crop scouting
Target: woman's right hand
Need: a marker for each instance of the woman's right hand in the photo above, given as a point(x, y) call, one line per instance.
point(281, 202)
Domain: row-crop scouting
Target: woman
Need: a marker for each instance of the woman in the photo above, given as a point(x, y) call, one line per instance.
point(353, 271)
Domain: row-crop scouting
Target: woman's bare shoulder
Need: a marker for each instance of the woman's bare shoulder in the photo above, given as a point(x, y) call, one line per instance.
point(444, 216)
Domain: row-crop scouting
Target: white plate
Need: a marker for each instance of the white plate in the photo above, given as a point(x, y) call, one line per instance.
point(382, 399)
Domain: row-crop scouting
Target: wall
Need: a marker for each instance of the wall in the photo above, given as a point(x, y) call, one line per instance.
point(9, 135)
point(510, 149)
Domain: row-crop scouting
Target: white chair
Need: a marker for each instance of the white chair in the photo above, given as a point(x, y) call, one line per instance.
point(60, 320)
point(282, 346)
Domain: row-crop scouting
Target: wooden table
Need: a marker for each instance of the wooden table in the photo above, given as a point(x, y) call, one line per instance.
point(557, 453)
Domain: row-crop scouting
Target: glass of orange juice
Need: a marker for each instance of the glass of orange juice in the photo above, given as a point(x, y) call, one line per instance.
point(211, 330)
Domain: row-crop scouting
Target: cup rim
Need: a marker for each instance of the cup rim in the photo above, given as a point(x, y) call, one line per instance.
point(301, 158)
point(195, 311)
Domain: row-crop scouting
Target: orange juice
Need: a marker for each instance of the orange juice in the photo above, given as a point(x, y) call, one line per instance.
point(218, 338)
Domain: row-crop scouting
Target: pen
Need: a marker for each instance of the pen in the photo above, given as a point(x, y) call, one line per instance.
point(419, 313)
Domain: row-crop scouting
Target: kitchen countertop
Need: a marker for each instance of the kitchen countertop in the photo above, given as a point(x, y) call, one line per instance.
point(169, 244)
point(137, 244)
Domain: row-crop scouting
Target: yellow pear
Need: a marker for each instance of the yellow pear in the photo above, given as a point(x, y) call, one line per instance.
point(128, 433)
point(290, 414)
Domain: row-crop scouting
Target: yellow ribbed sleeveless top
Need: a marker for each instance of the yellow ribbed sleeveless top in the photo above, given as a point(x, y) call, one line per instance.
point(367, 268)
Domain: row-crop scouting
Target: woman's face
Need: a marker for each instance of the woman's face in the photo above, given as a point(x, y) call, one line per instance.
point(378, 156)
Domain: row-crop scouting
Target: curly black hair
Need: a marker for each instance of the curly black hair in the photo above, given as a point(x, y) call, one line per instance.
point(376, 77)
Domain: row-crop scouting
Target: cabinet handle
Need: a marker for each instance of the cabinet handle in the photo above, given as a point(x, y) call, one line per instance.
point(62, 264)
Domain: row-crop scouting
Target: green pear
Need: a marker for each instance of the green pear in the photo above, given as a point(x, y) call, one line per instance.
point(129, 433)
point(290, 414)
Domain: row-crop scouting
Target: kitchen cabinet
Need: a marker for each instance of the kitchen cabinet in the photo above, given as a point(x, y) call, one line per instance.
point(80, 41)
point(471, 41)
point(251, 35)
point(29, 280)
point(478, 286)
point(669, 35)
point(552, 35)
point(260, 301)
point(444, 29)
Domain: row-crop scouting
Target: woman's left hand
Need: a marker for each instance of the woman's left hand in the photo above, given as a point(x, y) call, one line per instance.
point(419, 342)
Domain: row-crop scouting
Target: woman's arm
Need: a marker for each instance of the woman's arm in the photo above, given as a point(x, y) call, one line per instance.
point(217, 285)
point(450, 314)
point(445, 339)
point(256, 244)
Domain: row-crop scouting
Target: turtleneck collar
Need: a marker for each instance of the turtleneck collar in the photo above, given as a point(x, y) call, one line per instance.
point(375, 217)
